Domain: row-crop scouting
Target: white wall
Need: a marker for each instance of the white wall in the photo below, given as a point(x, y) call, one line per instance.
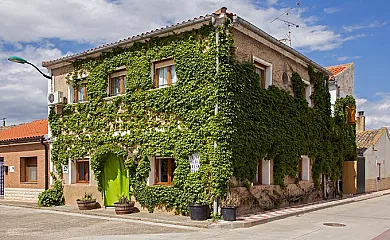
point(381, 155)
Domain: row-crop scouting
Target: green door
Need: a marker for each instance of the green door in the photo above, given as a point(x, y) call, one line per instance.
point(115, 180)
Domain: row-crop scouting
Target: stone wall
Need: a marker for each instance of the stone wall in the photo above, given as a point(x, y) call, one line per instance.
point(265, 197)
point(383, 184)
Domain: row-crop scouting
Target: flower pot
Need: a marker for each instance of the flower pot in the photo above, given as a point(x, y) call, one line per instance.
point(229, 213)
point(86, 204)
point(124, 208)
point(199, 211)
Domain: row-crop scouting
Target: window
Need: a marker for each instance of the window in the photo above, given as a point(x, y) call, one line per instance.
point(164, 73)
point(307, 92)
point(117, 83)
point(80, 93)
point(304, 168)
point(28, 169)
point(164, 168)
point(82, 171)
point(260, 69)
point(264, 69)
point(379, 171)
point(263, 172)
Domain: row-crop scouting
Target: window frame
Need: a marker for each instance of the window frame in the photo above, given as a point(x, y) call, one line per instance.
point(260, 63)
point(27, 165)
point(307, 92)
point(77, 90)
point(121, 74)
point(86, 170)
point(165, 63)
point(171, 162)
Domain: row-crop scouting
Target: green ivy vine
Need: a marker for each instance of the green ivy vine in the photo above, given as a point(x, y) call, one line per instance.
point(180, 120)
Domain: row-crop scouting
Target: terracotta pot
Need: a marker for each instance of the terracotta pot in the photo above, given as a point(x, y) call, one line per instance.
point(86, 204)
point(124, 208)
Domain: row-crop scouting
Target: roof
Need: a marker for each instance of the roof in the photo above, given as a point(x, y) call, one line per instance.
point(30, 130)
point(369, 138)
point(337, 69)
point(166, 29)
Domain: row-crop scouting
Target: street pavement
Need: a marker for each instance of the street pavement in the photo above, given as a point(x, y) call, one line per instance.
point(364, 220)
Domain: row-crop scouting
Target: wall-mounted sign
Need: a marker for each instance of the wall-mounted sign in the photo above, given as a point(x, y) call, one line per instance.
point(194, 162)
point(65, 169)
point(11, 168)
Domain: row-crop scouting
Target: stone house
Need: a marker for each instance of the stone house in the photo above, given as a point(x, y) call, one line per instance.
point(374, 146)
point(274, 62)
point(24, 158)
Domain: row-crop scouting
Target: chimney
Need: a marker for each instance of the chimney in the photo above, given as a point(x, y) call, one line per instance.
point(360, 122)
point(221, 10)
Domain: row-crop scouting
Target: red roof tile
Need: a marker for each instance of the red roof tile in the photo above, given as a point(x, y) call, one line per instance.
point(336, 70)
point(33, 129)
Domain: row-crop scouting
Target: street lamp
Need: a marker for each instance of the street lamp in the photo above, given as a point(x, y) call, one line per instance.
point(20, 60)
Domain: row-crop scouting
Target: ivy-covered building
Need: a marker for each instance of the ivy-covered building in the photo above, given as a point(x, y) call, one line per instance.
point(191, 111)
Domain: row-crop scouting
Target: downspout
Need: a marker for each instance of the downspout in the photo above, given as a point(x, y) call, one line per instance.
point(46, 163)
point(215, 208)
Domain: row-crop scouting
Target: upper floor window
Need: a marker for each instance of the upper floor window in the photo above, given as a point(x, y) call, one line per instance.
point(117, 83)
point(80, 93)
point(164, 73)
point(260, 69)
point(307, 92)
point(264, 69)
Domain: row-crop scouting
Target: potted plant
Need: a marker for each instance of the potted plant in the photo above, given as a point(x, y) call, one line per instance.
point(124, 205)
point(199, 211)
point(228, 208)
point(86, 202)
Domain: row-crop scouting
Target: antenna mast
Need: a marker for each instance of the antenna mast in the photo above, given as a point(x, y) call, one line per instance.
point(288, 23)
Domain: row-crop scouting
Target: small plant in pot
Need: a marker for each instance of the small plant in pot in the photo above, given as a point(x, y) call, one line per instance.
point(229, 208)
point(86, 202)
point(124, 205)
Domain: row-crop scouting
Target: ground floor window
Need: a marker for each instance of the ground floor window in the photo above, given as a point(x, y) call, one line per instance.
point(28, 169)
point(164, 169)
point(82, 171)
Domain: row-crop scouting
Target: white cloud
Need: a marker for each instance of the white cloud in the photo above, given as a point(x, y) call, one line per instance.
point(98, 21)
point(345, 58)
point(22, 89)
point(377, 112)
point(356, 27)
point(331, 10)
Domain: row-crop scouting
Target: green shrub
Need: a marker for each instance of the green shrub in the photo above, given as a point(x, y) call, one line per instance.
point(52, 197)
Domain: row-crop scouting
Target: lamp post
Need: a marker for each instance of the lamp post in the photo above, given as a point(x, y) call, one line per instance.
point(20, 60)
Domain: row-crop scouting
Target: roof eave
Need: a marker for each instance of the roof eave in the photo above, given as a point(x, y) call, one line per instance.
point(273, 40)
point(120, 43)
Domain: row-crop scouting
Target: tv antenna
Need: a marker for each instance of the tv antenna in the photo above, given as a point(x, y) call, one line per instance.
point(288, 23)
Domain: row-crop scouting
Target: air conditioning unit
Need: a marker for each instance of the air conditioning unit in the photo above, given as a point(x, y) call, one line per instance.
point(55, 98)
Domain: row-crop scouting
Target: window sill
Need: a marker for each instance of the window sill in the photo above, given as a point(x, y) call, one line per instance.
point(112, 97)
point(80, 183)
point(260, 184)
point(163, 184)
point(29, 182)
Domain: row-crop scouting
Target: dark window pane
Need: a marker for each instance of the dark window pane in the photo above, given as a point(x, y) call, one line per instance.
point(82, 171)
point(164, 170)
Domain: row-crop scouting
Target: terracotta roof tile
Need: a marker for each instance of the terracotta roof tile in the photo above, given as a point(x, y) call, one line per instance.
point(33, 129)
point(370, 137)
point(336, 70)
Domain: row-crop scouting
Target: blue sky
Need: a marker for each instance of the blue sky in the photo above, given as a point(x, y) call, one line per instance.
point(331, 32)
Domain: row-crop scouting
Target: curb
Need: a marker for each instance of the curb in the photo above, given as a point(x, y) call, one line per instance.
point(242, 224)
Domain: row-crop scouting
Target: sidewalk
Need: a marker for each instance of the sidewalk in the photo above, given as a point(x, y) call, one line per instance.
point(242, 222)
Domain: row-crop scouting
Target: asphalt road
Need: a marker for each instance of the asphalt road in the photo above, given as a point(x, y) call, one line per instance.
point(360, 220)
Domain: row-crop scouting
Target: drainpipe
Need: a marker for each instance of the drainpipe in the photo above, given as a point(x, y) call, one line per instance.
point(46, 162)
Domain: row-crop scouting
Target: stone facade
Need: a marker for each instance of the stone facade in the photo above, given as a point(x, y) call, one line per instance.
point(265, 197)
point(345, 81)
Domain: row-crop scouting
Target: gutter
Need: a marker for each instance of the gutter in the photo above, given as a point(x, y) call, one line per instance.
point(46, 162)
point(120, 43)
point(273, 40)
